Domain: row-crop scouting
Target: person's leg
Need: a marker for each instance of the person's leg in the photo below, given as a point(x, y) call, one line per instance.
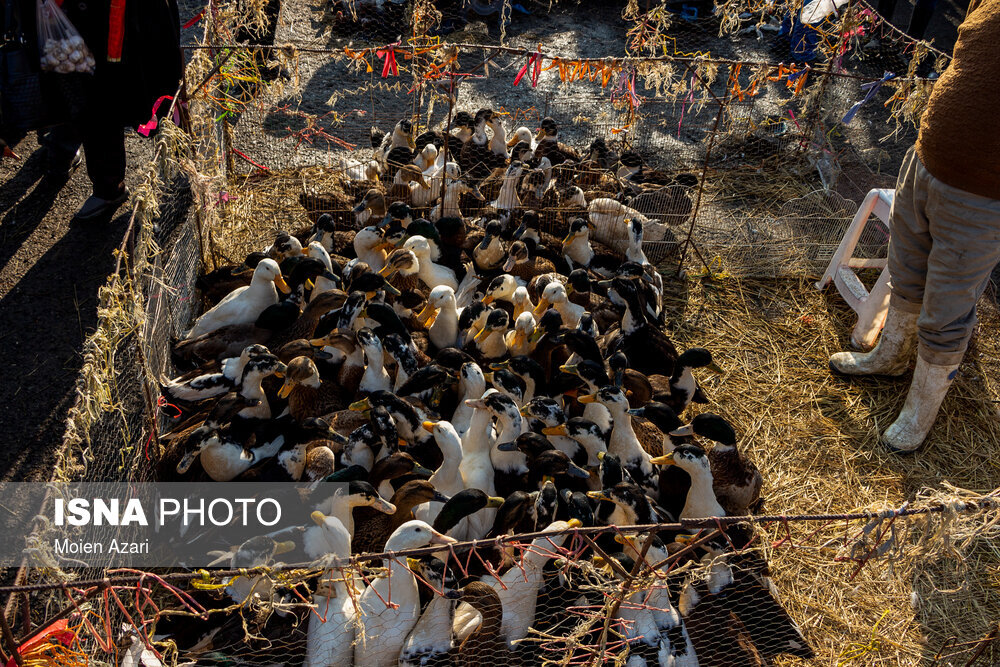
point(909, 246)
point(923, 10)
point(104, 147)
point(966, 247)
point(62, 148)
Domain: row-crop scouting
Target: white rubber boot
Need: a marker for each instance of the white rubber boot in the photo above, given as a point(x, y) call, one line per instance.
point(930, 384)
point(891, 356)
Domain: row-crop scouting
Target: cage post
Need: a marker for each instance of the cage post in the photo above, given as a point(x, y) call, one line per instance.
point(689, 241)
point(8, 637)
point(626, 585)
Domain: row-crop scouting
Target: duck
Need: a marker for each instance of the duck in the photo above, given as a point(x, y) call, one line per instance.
point(683, 387)
point(372, 207)
point(586, 435)
point(223, 280)
point(222, 457)
point(735, 582)
point(432, 275)
point(578, 252)
point(488, 255)
point(545, 462)
point(522, 265)
point(307, 394)
point(554, 295)
point(284, 246)
point(623, 442)
point(386, 627)
point(450, 204)
point(375, 377)
point(378, 435)
point(329, 280)
point(440, 317)
point(211, 385)
point(371, 535)
point(522, 135)
point(507, 200)
point(485, 645)
point(490, 342)
point(549, 146)
point(447, 479)
point(427, 156)
point(477, 466)
point(463, 504)
point(477, 159)
point(430, 642)
point(518, 587)
point(509, 464)
point(471, 386)
point(330, 635)
point(737, 480)
point(341, 504)
point(518, 339)
point(647, 347)
point(370, 248)
point(244, 304)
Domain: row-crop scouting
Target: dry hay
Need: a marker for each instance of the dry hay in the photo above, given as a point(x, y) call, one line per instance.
point(814, 436)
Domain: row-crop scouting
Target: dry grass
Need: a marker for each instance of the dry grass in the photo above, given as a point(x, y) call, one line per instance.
point(815, 438)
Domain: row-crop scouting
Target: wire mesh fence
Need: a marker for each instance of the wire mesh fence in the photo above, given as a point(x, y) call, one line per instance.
point(740, 164)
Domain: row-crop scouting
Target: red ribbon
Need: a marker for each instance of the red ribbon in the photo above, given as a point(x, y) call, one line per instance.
point(151, 124)
point(197, 17)
point(535, 65)
point(389, 54)
point(116, 31)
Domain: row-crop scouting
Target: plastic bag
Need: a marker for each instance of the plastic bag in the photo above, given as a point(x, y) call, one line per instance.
point(63, 49)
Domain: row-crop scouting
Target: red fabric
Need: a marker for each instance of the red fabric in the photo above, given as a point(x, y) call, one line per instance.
point(58, 631)
point(116, 31)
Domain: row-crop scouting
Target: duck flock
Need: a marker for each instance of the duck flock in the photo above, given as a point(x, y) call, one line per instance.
point(468, 377)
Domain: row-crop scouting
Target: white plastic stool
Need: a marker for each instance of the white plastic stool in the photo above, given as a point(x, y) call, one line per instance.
point(871, 307)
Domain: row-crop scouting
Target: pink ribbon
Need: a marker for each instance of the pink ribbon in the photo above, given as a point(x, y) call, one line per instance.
point(535, 65)
point(151, 124)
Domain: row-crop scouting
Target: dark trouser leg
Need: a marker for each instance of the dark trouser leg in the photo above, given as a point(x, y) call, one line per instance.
point(61, 142)
point(921, 18)
point(104, 148)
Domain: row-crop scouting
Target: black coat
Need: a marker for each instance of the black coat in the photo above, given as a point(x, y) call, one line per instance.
point(151, 64)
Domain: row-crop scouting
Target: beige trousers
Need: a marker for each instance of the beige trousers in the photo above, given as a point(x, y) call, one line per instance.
point(944, 243)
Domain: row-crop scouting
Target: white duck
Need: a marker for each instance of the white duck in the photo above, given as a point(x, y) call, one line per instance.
point(447, 479)
point(341, 505)
point(498, 142)
point(517, 588)
point(471, 385)
point(390, 607)
point(375, 377)
point(322, 283)
point(330, 638)
point(430, 273)
point(370, 248)
point(624, 443)
point(477, 467)
point(507, 200)
point(244, 304)
point(440, 317)
point(224, 459)
point(431, 640)
point(554, 295)
point(676, 649)
point(426, 157)
point(421, 196)
point(453, 191)
point(519, 338)
point(522, 134)
point(609, 218)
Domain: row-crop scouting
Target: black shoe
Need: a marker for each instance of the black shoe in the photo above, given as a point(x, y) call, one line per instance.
point(63, 166)
point(96, 208)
